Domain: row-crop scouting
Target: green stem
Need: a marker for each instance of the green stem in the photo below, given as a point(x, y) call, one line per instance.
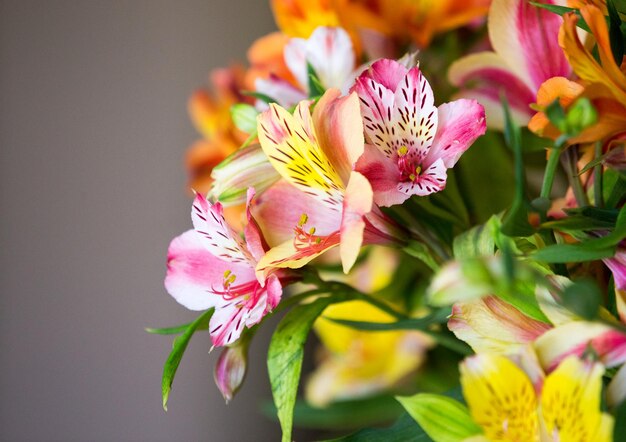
point(570, 161)
point(553, 162)
point(597, 178)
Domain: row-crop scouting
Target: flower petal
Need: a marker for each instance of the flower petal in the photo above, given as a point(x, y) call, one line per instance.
point(330, 52)
point(339, 130)
point(460, 122)
point(524, 36)
point(254, 237)
point(383, 175)
point(492, 325)
point(415, 114)
point(575, 338)
point(388, 73)
point(429, 181)
point(280, 90)
point(485, 76)
point(215, 234)
point(358, 202)
point(290, 143)
point(501, 397)
point(570, 401)
point(279, 209)
point(193, 271)
point(376, 108)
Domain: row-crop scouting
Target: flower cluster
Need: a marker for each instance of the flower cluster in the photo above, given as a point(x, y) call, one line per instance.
point(376, 174)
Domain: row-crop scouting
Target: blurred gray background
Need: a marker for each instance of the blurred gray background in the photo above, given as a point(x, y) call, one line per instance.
point(93, 127)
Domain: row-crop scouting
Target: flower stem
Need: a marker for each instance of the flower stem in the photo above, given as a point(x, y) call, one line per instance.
point(597, 177)
point(570, 160)
point(553, 162)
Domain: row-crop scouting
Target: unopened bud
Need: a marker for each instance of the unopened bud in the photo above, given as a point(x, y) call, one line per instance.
point(231, 368)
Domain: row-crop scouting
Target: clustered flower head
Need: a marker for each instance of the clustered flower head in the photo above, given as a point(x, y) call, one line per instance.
point(398, 205)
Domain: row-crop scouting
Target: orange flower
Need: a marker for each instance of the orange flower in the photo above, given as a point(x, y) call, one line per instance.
point(373, 23)
point(266, 58)
point(603, 82)
point(210, 115)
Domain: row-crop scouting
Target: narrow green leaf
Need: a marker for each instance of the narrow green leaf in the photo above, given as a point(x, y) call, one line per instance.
point(437, 317)
point(259, 96)
point(563, 253)
point(316, 88)
point(285, 355)
point(577, 223)
point(404, 430)
point(561, 10)
point(515, 221)
point(443, 419)
point(178, 349)
point(420, 251)
point(244, 117)
point(342, 415)
point(615, 33)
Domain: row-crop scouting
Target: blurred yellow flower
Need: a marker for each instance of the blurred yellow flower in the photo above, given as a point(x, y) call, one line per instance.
point(512, 407)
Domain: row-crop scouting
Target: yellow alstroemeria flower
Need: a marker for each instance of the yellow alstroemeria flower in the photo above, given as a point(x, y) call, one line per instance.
point(361, 363)
point(509, 407)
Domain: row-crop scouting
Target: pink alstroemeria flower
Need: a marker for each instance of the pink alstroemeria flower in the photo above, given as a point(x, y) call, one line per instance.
point(526, 53)
point(321, 202)
point(410, 142)
point(330, 53)
point(210, 266)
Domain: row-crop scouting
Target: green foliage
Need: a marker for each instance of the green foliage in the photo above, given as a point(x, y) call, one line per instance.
point(582, 298)
point(404, 430)
point(615, 32)
point(178, 349)
point(476, 177)
point(478, 241)
point(443, 418)
point(342, 415)
point(515, 221)
point(285, 355)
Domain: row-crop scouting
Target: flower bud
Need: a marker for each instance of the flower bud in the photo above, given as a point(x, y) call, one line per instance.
point(231, 368)
point(245, 168)
point(580, 116)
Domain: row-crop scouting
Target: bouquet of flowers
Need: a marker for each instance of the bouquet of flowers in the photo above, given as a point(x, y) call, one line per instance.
point(436, 191)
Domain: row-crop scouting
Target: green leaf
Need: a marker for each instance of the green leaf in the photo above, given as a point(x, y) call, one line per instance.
point(345, 415)
point(582, 298)
point(316, 88)
point(561, 10)
point(178, 349)
point(615, 193)
point(437, 317)
point(478, 241)
point(577, 223)
point(259, 96)
point(419, 250)
point(244, 117)
point(620, 422)
point(615, 33)
point(404, 430)
point(285, 355)
point(443, 419)
point(563, 253)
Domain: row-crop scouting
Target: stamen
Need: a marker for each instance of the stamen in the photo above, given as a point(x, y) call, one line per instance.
point(403, 151)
